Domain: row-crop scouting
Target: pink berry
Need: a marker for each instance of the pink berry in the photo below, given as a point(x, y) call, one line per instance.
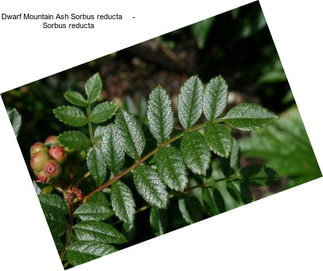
point(41, 177)
point(52, 169)
point(51, 140)
point(58, 153)
point(38, 147)
point(38, 160)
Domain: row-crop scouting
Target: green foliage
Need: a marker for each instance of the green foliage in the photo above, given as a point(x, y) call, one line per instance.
point(249, 117)
point(160, 114)
point(75, 98)
point(96, 209)
point(201, 30)
point(230, 166)
point(190, 209)
point(55, 210)
point(209, 201)
point(99, 132)
point(179, 175)
point(219, 139)
point(96, 165)
point(71, 115)
point(273, 73)
point(74, 140)
point(158, 220)
point(122, 202)
point(130, 135)
point(150, 186)
point(111, 149)
point(286, 148)
point(258, 175)
point(103, 112)
point(98, 231)
point(52, 203)
point(195, 152)
point(93, 88)
point(83, 251)
point(171, 168)
point(190, 102)
point(15, 119)
point(215, 98)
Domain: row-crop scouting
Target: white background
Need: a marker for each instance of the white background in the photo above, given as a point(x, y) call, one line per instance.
point(281, 232)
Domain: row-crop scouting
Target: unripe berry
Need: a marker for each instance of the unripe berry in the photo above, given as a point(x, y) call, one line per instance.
point(51, 140)
point(41, 177)
point(38, 147)
point(52, 169)
point(38, 160)
point(58, 153)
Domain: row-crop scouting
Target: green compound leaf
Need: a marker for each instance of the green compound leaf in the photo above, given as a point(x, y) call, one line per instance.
point(160, 114)
point(83, 251)
point(219, 139)
point(215, 98)
point(96, 165)
point(103, 112)
point(71, 115)
point(249, 117)
point(93, 88)
point(15, 119)
point(150, 186)
point(112, 150)
point(75, 98)
point(190, 102)
point(190, 209)
point(98, 231)
point(74, 140)
point(195, 152)
point(96, 209)
point(122, 202)
point(171, 168)
point(55, 209)
point(130, 135)
point(158, 220)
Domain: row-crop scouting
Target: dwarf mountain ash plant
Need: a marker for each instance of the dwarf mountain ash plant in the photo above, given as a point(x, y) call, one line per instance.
point(92, 176)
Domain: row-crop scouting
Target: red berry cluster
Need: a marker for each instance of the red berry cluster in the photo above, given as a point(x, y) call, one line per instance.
point(46, 159)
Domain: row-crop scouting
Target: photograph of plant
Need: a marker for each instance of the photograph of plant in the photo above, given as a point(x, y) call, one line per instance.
point(161, 135)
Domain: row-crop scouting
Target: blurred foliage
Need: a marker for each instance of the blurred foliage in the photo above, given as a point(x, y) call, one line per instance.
point(201, 30)
point(286, 147)
point(15, 119)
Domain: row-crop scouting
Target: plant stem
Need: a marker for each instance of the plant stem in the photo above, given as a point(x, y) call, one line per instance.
point(144, 158)
point(68, 234)
point(88, 112)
